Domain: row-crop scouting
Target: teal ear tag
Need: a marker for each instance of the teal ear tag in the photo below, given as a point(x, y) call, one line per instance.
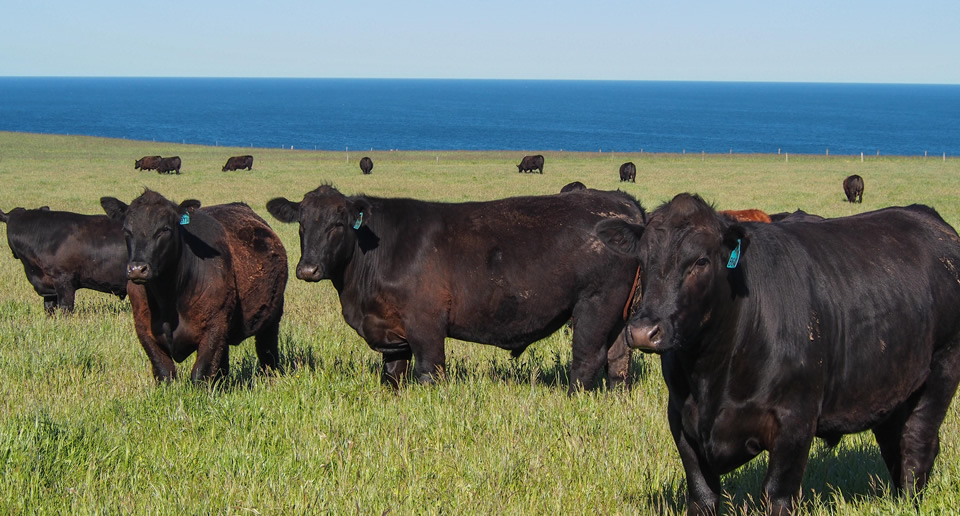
point(184, 219)
point(356, 225)
point(734, 257)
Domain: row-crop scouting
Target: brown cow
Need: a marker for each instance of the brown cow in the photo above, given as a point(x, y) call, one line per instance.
point(201, 279)
point(147, 163)
point(750, 215)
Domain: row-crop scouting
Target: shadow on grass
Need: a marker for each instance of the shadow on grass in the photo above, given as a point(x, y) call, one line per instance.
point(845, 474)
point(551, 369)
point(294, 357)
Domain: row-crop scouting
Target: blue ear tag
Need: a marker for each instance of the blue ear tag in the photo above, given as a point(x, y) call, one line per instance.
point(734, 257)
point(184, 219)
point(356, 225)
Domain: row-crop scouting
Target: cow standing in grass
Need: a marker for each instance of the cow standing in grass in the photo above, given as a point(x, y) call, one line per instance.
point(62, 252)
point(238, 163)
point(201, 279)
point(628, 172)
point(773, 334)
point(147, 163)
point(366, 165)
point(531, 163)
point(508, 273)
point(853, 188)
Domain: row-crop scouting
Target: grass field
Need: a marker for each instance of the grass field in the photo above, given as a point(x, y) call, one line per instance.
point(84, 429)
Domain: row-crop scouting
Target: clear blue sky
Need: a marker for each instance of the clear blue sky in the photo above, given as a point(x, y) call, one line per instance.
point(737, 40)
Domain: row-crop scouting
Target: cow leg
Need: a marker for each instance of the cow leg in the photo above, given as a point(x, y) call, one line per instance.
point(49, 304)
point(395, 367)
point(787, 461)
point(213, 360)
point(703, 485)
point(268, 348)
point(429, 354)
point(66, 295)
point(618, 363)
point(920, 440)
point(164, 370)
point(590, 344)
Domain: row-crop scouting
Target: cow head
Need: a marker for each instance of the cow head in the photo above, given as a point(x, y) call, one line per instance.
point(151, 228)
point(689, 256)
point(329, 222)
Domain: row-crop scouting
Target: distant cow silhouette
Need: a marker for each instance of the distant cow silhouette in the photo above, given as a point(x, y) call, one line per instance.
point(238, 163)
point(531, 163)
point(168, 165)
point(853, 188)
point(628, 172)
point(366, 165)
point(147, 163)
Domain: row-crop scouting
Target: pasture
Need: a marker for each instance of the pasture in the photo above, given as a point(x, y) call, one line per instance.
point(84, 428)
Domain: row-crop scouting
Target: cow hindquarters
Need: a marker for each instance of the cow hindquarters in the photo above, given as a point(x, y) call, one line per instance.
point(909, 440)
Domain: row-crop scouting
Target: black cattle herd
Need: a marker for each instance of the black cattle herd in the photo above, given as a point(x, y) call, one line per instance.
point(771, 330)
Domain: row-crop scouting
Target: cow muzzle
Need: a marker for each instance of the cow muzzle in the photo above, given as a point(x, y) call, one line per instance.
point(647, 337)
point(308, 272)
point(138, 272)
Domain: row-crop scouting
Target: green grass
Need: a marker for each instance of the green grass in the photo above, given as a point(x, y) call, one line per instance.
point(84, 429)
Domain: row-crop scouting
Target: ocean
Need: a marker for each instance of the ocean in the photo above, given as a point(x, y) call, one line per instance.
point(408, 114)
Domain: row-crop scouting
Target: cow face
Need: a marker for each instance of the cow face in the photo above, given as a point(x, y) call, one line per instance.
point(328, 225)
point(687, 254)
point(151, 230)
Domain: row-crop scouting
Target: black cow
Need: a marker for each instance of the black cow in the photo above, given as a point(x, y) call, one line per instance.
point(168, 165)
point(773, 334)
point(531, 163)
point(201, 279)
point(147, 163)
point(796, 216)
point(575, 186)
point(853, 188)
point(238, 163)
point(410, 273)
point(62, 252)
point(628, 172)
point(366, 165)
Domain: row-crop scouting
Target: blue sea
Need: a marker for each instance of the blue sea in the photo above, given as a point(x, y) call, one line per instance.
point(406, 114)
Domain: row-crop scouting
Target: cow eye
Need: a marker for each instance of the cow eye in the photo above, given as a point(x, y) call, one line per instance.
point(162, 231)
point(702, 262)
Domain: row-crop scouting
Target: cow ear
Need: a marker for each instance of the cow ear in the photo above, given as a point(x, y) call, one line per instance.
point(284, 210)
point(735, 243)
point(358, 212)
point(620, 236)
point(4, 216)
point(188, 206)
point(113, 207)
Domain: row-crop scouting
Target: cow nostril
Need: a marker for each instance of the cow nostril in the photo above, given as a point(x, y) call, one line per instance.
point(655, 335)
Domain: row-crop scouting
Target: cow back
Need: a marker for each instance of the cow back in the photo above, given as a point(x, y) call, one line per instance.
point(258, 261)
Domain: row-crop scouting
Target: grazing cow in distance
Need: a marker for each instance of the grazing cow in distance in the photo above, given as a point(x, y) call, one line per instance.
point(63, 252)
point(628, 172)
point(853, 188)
point(411, 273)
point(238, 163)
point(796, 216)
point(758, 355)
point(573, 187)
point(147, 163)
point(750, 215)
point(366, 165)
point(531, 163)
point(168, 165)
point(201, 279)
